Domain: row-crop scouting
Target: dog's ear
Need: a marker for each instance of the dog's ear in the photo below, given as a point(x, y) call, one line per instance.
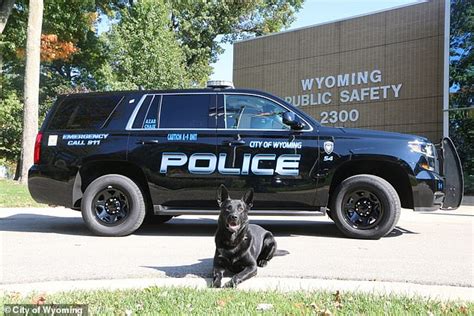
point(222, 194)
point(248, 197)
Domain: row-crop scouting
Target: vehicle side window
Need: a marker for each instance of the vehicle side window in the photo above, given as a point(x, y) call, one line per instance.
point(187, 111)
point(144, 108)
point(151, 117)
point(83, 112)
point(251, 112)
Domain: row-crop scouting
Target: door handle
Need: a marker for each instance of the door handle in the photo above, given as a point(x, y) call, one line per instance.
point(147, 142)
point(235, 142)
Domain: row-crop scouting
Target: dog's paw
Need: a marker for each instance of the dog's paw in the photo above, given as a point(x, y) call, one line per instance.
point(216, 283)
point(262, 263)
point(231, 284)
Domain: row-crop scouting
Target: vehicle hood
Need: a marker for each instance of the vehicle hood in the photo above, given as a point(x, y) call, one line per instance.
point(358, 132)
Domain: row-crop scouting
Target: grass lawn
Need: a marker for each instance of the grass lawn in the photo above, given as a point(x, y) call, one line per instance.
point(186, 301)
point(13, 194)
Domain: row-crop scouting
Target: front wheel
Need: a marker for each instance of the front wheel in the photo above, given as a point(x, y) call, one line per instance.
point(365, 206)
point(113, 205)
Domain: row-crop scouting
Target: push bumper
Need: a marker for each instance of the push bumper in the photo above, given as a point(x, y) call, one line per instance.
point(445, 189)
point(452, 171)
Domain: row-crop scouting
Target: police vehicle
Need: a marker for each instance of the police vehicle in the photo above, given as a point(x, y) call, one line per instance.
point(125, 157)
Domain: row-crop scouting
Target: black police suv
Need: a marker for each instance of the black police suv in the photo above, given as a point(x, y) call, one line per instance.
point(125, 157)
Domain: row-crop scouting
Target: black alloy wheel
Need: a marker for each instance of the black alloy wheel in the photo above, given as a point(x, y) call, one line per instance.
point(362, 209)
point(111, 205)
point(365, 206)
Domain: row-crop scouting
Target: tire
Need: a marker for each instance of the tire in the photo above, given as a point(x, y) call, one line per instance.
point(113, 205)
point(365, 206)
point(329, 214)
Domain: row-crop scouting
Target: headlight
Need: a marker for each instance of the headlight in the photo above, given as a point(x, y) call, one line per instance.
point(426, 149)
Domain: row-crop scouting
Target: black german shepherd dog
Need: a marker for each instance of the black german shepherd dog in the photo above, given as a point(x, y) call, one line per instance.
point(240, 246)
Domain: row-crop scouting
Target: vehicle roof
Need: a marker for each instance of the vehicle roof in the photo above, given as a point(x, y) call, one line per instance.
point(198, 90)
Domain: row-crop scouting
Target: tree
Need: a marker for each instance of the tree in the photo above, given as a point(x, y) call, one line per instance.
point(32, 76)
point(74, 57)
point(71, 53)
point(11, 112)
point(201, 26)
point(461, 78)
point(143, 51)
point(461, 60)
point(5, 10)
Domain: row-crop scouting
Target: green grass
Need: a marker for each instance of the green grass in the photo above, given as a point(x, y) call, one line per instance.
point(187, 301)
point(14, 194)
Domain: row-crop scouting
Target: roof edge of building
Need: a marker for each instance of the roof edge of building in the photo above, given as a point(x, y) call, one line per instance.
point(335, 21)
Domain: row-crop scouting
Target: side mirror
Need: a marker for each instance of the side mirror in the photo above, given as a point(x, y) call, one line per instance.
point(290, 119)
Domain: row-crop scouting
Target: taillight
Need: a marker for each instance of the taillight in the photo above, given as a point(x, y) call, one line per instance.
point(38, 148)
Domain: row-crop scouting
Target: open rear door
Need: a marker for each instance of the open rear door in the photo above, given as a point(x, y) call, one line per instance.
point(452, 172)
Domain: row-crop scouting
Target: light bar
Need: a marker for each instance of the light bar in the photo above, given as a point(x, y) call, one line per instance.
point(220, 84)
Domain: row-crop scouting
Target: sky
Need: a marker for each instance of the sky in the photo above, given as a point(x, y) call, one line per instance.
point(314, 12)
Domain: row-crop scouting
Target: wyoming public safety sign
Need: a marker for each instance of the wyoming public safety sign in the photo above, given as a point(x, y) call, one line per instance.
point(358, 86)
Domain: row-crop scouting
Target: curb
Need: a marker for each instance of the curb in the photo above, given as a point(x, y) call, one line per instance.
point(437, 292)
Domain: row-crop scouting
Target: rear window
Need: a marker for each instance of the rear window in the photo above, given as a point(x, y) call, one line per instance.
point(83, 112)
point(186, 111)
point(148, 113)
point(142, 112)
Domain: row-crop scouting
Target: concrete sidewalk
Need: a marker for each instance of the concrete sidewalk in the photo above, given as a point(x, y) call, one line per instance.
point(427, 254)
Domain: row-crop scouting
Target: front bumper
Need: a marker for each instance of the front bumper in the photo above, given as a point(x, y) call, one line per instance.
point(445, 189)
point(428, 192)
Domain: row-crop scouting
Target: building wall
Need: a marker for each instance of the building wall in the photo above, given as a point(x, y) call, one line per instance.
point(401, 50)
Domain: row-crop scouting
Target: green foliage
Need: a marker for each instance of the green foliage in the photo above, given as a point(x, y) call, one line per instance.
point(462, 133)
point(152, 44)
point(143, 51)
point(202, 26)
point(461, 71)
point(70, 20)
point(461, 48)
point(73, 21)
point(11, 113)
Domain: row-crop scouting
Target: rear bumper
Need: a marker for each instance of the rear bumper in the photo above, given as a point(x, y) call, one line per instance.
point(45, 188)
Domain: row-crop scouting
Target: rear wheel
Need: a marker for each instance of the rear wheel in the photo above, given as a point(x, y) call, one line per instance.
point(365, 206)
point(113, 205)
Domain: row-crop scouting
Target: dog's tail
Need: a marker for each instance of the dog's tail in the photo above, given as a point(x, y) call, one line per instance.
point(281, 252)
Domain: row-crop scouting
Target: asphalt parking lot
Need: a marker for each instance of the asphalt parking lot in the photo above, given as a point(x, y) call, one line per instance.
point(52, 244)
